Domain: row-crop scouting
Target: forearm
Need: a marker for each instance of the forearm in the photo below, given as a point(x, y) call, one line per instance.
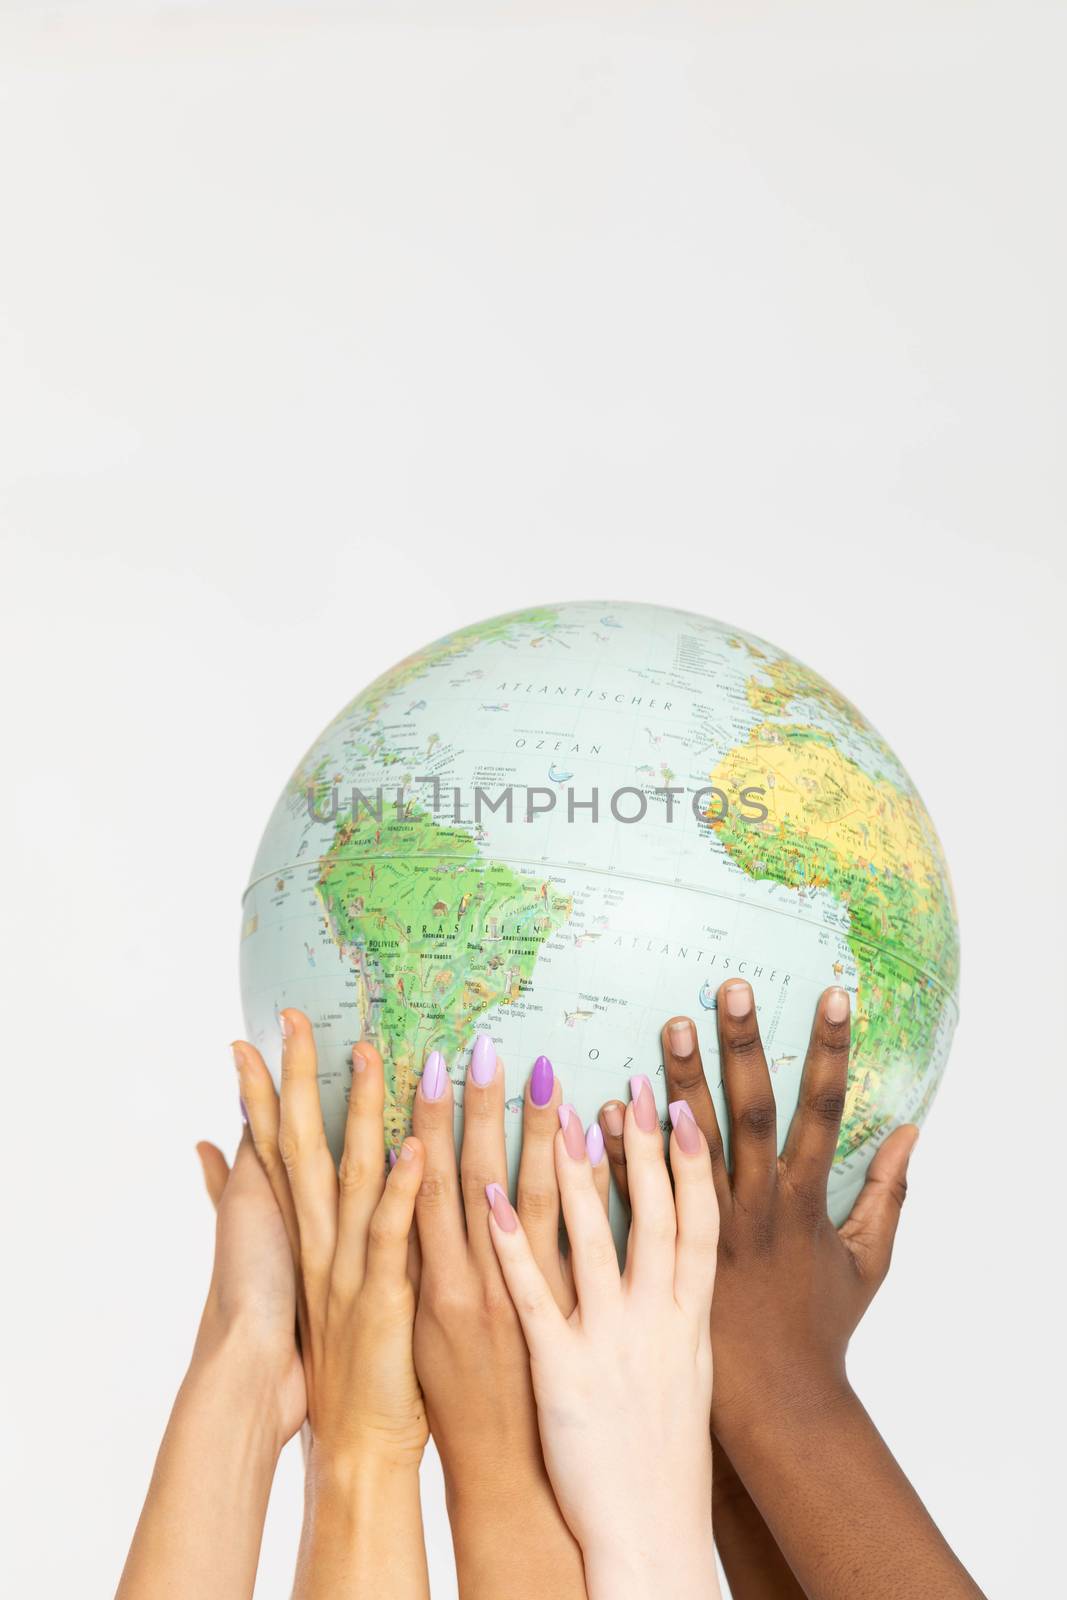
point(202, 1523)
point(839, 1507)
point(629, 1569)
point(509, 1538)
point(755, 1567)
point(362, 1533)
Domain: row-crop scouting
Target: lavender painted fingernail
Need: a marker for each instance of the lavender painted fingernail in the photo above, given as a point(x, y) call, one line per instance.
point(244, 1110)
point(542, 1082)
point(434, 1076)
point(483, 1061)
point(392, 1159)
point(594, 1144)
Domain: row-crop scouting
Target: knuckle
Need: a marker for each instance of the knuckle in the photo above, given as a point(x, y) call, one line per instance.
point(745, 1040)
point(826, 1106)
point(758, 1120)
point(353, 1174)
point(433, 1189)
point(383, 1231)
point(686, 1077)
point(288, 1150)
point(537, 1203)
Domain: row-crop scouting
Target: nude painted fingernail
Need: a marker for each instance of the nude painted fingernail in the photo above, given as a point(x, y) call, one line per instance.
point(501, 1207)
point(573, 1132)
point(594, 1144)
point(685, 1129)
point(837, 1007)
point(643, 1103)
point(542, 1081)
point(483, 1061)
point(683, 1037)
point(614, 1116)
point(434, 1076)
point(738, 1000)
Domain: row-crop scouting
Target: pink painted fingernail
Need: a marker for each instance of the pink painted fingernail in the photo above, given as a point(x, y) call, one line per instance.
point(685, 1129)
point(434, 1076)
point(594, 1144)
point(542, 1081)
point(483, 1061)
point(643, 1103)
point(501, 1207)
point(573, 1132)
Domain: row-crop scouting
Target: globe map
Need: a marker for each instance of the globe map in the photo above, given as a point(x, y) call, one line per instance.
point(563, 826)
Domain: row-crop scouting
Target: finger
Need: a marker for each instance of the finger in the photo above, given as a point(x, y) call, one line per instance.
point(216, 1170)
point(612, 1120)
point(542, 1321)
point(650, 1262)
point(697, 1208)
point(593, 1260)
point(595, 1150)
point(871, 1227)
point(813, 1132)
point(390, 1226)
point(753, 1118)
point(538, 1188)
point(683, 1067)
point(482, 1157)
point(260, 1100)
point(302, 1142)
point(361, 1175)
point(438, 1210)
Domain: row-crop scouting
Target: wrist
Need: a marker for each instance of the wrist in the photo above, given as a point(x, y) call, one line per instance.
point(791, 1398)
point(228, 1370)
point(633, 1568)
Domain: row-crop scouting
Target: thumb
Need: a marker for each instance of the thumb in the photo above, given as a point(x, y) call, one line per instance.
point(871, 1226)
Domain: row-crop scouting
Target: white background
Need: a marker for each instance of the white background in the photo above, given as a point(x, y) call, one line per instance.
point(326, 329)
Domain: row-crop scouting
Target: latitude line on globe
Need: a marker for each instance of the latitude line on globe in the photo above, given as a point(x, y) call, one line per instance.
point(629, 877)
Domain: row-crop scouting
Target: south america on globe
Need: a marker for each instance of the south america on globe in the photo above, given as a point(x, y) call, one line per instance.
point(565, 825)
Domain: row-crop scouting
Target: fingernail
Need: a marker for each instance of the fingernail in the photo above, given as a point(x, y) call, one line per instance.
point(500, 1206)
point(542, 1082)
point(683, 1037)
point(392, 1159)
point(685, 1129)
point(573, 1133)
point(406, 1152)
point(738, 999)
point(285, 1026)
point(434, 1076)
point(614, 1118)
point(358, 1063)
point(483, 1061)
point(643, 1103)
point(837, 1007)
point(594, 1144)
point(244, 1110)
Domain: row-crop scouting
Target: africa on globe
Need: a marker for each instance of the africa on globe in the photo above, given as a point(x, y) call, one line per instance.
point(564, 825)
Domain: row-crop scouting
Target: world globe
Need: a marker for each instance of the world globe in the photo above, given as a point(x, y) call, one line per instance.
point(564, 825)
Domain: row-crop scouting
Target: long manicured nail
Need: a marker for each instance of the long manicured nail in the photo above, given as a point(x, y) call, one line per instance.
point(614, 1114)
point(244, 1110)
point(434, 1076)
point(594, 1144)
point(483, 1061)
point(285, 1026)
point(643, 1103)
point(501, 1207)
point(683, 1037)
point(542, 1081)
point(738, 1000)
point(573, 1132)
point(685, 1129)
point(392, 1159)
point(837, 1007)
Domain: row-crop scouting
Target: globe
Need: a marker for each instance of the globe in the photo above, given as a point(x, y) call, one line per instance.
point(563, 826)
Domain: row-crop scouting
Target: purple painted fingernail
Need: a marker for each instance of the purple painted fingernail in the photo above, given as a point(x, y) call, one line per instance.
point(434, 1076)
point(542, 1082)
point(244, 1110)
point(483, 1061)
point(594, 1144)
point(392, 1159)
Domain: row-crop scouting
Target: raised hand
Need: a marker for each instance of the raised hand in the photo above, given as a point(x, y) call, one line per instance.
point(509, 1536)
point(351, 1230)
point(624, 1384)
